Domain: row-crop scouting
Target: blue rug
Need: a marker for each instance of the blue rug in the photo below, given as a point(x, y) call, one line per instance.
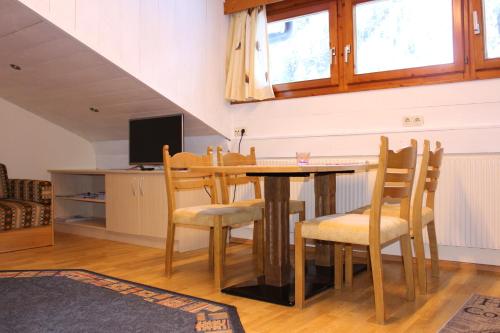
point(83, 301)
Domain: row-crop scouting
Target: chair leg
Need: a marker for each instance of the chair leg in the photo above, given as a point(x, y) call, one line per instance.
point(368, 261)
point(218, 254)
point(405, 244)
point(302, 213)
point(418, 243)
point(431, 232)
point(299, 267)
point(169, 250)
point(255, 234)
point(255, 238)
point(259, 241)
point(348, 265)
point(378, 286)
point(225, 232)
point(211, 250)
point(338, 262)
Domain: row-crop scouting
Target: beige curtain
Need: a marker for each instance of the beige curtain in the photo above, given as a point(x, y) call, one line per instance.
point(247, 67)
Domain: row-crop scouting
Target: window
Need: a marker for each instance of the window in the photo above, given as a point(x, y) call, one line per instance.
point(401, 39)
point(299, 48)
point(486, 35)
point(302, 44)
point(390, 34)
point(492, 28)
point(329, 46)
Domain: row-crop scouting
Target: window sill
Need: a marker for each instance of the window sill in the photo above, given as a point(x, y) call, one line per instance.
point(376, 85)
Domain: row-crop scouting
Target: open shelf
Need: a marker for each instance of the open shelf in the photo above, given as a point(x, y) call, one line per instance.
point(92, 222)
point(77, 198)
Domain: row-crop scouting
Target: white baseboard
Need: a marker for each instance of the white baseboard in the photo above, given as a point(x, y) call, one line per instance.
point(450, 253)
point(101, 233)
point(457, 253)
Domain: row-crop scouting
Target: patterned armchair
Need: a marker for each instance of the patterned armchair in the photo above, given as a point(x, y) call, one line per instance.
point(24, 204)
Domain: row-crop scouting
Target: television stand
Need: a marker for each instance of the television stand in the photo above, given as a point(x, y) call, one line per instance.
point(134, 209)
point(142, 168)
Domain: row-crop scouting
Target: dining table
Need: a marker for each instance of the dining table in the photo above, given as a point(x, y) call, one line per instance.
point(276, 285)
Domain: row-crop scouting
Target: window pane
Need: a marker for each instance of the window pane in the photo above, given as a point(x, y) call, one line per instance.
point(399, 34)
point(492, 28)
point(299, 48)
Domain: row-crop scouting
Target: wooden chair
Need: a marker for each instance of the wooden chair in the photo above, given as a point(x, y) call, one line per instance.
point(230, 180)
point(215, 216)
point(394, 181)
point(421, 215)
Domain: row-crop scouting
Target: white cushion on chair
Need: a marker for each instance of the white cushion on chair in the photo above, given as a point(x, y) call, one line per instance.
point(296, 206)
point(393, 210)
point(205, 215)
point(352, 228)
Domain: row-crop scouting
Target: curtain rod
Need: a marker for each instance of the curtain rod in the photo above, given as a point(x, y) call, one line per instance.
point(234, 6)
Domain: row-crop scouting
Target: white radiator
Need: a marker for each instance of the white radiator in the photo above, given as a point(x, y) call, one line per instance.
point(467, 204)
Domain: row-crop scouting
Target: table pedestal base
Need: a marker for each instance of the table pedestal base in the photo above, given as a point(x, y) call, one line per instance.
point(318, 279)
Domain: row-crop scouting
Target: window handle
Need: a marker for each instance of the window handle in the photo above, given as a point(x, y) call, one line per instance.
point(334, 54)
point(475, 20)
point(347, 51)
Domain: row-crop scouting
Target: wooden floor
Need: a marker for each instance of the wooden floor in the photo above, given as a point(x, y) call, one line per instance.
point(335, 311)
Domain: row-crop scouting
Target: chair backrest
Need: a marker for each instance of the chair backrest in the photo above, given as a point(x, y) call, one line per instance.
point(421, 185)
point(428, 177)
point(4, 187)
point(228, 180)
point(433, 172)
point(178, 177)
point(395, 174)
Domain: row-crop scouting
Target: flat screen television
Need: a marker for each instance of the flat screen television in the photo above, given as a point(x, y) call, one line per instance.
point(147, 137)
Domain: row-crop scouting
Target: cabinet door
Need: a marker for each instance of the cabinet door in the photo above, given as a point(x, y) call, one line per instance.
point(153, 205)
point(122, 203)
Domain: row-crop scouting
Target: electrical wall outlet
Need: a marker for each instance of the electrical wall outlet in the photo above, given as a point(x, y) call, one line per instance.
point(418, 120)
point(239, 130)
point(407, 121)
point(413, 121)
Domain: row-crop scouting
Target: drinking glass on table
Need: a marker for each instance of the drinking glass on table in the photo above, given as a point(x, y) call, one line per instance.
point(302, 158)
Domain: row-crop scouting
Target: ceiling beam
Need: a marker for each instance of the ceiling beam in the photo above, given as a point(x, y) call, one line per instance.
point(233, 6)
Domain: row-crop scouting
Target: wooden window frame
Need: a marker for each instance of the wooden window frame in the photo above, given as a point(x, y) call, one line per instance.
point(484, 68)
point(457, 66)
point(469, 62)
point(289, 9)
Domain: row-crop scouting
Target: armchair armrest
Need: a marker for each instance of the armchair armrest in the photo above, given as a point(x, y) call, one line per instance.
point(30, 190)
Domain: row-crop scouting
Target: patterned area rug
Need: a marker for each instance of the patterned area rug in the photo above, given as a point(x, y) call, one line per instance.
point(83, 301)
point(478, 314)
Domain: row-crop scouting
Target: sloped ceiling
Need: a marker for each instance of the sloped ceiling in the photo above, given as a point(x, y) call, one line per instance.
point(61, 78)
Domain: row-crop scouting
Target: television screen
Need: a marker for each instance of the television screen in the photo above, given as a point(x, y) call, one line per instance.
point(148, 136)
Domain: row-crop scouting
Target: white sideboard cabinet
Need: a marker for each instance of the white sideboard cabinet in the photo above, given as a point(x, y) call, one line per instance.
point(122, 205)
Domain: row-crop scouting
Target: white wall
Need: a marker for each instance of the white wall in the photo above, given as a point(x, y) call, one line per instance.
point(30, 145)
point(114, 154)
point(177, 47)
point(465, 116)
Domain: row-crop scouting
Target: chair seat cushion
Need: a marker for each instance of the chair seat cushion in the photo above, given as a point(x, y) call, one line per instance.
point(393, 210)
point(352, 228)
point(205, 215)
point(18, 214)
point(296, 206)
